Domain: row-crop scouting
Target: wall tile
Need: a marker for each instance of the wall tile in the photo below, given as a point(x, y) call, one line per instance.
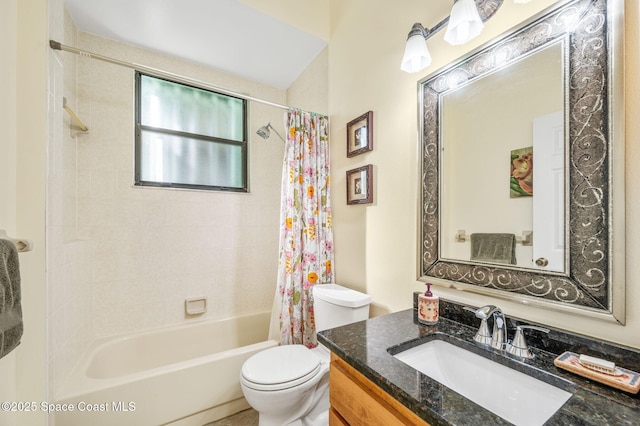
point(156, 247)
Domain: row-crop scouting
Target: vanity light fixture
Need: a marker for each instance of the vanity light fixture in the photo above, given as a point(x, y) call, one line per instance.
point(416, 55)
point(464, 23)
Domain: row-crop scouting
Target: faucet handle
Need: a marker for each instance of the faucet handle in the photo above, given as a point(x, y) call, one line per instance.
point(518, 346)
point(483, 313)
point(482, 335)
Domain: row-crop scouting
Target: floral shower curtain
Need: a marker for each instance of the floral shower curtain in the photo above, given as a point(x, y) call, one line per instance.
point(306, 238)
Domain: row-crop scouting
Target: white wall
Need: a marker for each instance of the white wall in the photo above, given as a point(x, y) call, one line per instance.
point(29, 146)
point(22, 176)
point(9, 33)
point(376, 244)
point(310, 91)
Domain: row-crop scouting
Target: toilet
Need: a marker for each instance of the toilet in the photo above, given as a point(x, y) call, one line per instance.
point(289, 384)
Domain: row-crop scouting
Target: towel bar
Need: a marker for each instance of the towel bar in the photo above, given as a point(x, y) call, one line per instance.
point(21, 244)
point(526, 239)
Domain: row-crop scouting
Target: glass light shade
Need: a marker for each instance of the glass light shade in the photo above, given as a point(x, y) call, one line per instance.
point(464, 22)
point(416, 55)
point(521, 1)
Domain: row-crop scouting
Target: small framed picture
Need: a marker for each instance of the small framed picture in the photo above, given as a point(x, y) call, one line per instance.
point(360, 134)
point(360, 185)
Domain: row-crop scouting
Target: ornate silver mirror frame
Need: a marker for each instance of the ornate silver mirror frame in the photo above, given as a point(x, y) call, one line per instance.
point(594, 282)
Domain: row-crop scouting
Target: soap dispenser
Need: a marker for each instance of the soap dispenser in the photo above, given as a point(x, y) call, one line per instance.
point(428, 307)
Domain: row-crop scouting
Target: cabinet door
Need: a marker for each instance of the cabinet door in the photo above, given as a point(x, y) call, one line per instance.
point(359, 402)
point(335, 419)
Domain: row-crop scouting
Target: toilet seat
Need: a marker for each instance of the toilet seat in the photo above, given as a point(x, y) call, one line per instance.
point(280, 368)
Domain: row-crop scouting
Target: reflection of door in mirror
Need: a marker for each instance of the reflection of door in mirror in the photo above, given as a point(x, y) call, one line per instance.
point(482, 123)
point(548, 202)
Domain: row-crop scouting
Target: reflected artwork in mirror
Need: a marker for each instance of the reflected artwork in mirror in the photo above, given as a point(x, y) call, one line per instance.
point(549, 91)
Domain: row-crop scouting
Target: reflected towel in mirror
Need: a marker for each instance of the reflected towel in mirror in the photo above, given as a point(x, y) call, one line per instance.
point(495, 248)
point(11, 325)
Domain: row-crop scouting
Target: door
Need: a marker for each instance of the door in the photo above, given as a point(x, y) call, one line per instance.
point(548, 192)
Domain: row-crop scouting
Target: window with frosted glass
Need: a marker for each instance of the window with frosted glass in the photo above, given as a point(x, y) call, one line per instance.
point(187, 137)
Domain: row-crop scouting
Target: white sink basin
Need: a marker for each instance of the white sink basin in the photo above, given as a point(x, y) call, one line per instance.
point(512, 395)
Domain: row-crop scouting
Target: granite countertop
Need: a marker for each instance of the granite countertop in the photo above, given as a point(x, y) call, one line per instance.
point(364, 345)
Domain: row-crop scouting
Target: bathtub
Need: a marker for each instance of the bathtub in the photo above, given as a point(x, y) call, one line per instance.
point(185, 375)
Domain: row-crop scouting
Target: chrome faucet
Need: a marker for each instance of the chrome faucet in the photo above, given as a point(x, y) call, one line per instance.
point(498, 337)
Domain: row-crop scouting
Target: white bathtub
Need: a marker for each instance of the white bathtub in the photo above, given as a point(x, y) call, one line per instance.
point(185, 375)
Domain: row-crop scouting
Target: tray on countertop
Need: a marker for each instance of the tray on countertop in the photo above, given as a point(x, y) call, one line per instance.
point(628, 381)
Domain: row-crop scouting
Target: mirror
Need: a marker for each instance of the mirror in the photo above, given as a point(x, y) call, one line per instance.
point(487, 164)
point(492, 219)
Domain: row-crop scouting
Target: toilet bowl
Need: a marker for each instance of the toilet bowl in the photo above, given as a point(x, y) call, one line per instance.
point(289, 385)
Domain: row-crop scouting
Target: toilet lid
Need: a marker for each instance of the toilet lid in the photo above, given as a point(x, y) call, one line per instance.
point(280, 367)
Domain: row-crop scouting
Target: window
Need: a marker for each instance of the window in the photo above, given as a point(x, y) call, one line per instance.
point(187, 137)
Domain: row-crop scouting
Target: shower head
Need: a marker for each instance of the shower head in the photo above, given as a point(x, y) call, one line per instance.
point(264, 132)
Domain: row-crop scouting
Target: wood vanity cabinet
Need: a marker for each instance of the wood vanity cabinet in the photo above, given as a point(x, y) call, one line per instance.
point(356, 400)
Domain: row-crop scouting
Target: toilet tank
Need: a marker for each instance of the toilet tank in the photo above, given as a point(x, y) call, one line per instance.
point(334, 305)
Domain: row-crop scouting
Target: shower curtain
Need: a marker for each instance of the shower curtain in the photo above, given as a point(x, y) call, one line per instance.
point(306, 238)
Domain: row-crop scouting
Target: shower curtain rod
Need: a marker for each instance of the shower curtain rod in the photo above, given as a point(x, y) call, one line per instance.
point(160, 73)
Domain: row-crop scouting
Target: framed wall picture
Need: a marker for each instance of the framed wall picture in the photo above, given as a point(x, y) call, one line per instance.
point(360, 134)
point(360, 185)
